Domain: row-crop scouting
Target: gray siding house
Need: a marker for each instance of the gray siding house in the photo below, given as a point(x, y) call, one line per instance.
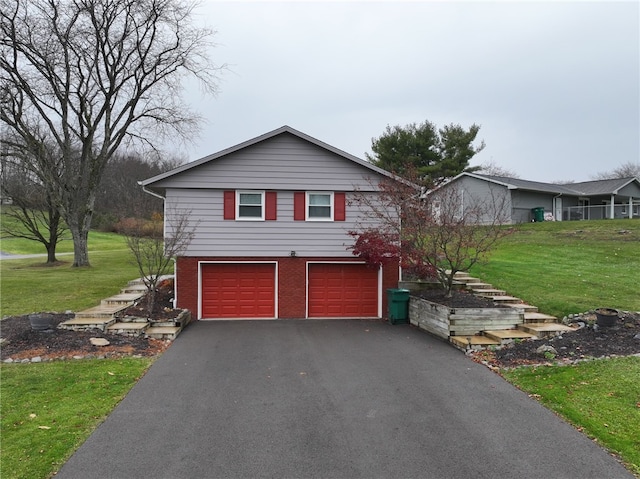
point(600, 199)
point(272, 217)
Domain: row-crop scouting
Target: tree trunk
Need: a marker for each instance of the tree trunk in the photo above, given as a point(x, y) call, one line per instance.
point(80, 236)
point(51, 253)
point(80, 247)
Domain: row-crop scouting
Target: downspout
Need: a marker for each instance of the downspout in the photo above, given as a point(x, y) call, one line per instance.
point(175, 264)
point(175, 283)
point(144, 188)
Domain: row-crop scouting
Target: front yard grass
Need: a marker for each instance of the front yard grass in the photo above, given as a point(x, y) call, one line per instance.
point(49, 409)
point(569, 266)
point(601, 398)
point(29, 285)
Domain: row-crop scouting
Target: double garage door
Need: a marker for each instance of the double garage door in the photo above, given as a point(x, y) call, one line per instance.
point(248, 290)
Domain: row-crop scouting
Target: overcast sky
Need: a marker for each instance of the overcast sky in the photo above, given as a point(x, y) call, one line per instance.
point(555, 85)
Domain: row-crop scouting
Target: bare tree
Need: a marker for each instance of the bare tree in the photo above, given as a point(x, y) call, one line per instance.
point(443, 231)
point(154, 250)
point(91, 76)
point(491, 168)
point(625, 170)
point(34, 214)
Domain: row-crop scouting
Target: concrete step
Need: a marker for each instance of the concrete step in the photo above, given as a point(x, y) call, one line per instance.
point(102, 311)
point(128, 329)
point(526, 308)
point(163, 332)
point(122, 298)
point(473, 342)
point(488, 292)
point(508, 335)
point(535, 317)
point(545, 330)
point(87, 323)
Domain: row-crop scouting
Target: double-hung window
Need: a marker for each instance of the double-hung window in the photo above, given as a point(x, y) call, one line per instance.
point(320, 206)
point(250, 205)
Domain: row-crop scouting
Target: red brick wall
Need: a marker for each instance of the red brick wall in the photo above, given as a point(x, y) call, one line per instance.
point(291, 282)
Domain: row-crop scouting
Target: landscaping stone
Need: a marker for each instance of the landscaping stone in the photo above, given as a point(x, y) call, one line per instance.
point(545, 348)
point(99, 341)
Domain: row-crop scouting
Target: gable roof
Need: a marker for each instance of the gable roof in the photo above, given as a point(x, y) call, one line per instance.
point(586, 188)
point(261, 138)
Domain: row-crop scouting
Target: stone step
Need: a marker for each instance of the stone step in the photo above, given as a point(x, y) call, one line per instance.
point(472, 342)
point(508, 335)
point(87, 323)
point(139, 281)
point(163, 332)
point(134, 288)
point(128, 329)
point(122, 298)
point(526, 308)
point(466, 279)
point(488, 292)
point(479, 285)
point(102, 311)
point(545, 330)
point(535, 317)
point(504, 299)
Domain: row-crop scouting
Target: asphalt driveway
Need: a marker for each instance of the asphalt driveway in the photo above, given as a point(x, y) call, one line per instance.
point(329, 399)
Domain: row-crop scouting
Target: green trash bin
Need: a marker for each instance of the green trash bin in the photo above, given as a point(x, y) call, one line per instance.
point(398, 300)
point(538, 214)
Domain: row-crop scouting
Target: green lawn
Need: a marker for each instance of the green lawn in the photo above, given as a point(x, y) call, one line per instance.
point(30, 285)
point(49, 409)
point(569, 267)
point(601, 398)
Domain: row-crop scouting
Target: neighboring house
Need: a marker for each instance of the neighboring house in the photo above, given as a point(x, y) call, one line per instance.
point(273, 215)
point(615, 198)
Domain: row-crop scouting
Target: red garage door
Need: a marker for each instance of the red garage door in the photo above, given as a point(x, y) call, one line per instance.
point(238, 290)
point(343, 291)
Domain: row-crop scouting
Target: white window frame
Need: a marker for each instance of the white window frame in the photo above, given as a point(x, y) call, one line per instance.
point(262, 205)
point(308, 206)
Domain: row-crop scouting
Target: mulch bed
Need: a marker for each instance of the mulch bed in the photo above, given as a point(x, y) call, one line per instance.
point(20, 342)
point(458, 299)
point(591, 341)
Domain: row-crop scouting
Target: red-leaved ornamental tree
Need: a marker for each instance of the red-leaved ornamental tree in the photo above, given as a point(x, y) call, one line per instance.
point(432, 233)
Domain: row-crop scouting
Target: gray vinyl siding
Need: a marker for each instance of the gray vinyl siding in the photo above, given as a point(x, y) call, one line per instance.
point(218, 237)
point(284, 162)
point(490, 196)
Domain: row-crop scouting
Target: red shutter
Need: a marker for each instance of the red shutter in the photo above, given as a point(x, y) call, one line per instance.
point(271, 206)
point(339, 207)
point(299, 205)
point(229, 205)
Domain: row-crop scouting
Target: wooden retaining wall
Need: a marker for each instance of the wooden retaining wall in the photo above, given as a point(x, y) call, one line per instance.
point(444, 322)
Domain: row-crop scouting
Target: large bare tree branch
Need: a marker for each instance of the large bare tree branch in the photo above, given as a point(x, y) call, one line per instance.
point(90, 76)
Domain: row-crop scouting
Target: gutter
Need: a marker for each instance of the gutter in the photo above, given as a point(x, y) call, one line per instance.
point(146, 190)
